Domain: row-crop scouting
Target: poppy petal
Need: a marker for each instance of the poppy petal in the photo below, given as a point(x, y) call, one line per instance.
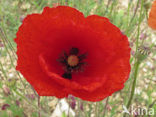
point(42, 38)
point(152, 16)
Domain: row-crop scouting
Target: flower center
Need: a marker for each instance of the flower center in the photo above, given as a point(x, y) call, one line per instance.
point(73, 60)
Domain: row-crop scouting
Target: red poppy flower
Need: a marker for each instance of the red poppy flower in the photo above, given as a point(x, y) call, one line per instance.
point(61, 52)
point(152, 16)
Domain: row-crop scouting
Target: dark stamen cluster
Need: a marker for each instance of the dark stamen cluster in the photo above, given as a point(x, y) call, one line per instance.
point(70, 68)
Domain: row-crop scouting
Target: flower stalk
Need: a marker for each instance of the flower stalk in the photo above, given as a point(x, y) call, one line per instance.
point(39, 107)
point(139, 58)
point(134, 84)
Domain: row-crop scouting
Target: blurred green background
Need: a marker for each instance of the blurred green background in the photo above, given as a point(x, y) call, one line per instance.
point(18, 98)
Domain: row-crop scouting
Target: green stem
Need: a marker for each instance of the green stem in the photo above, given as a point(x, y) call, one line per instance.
point(3, 71)
point(23, 97)
point(134, 84)
point(137, 63)
point(112, 7)
point(66, 2)
point(107, 6)
point(105, 108)
point(140, 20)
point(97, 109)
point(39, 107)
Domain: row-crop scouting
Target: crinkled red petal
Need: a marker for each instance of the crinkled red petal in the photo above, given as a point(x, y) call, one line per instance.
point(43, 37)
point(152, 16)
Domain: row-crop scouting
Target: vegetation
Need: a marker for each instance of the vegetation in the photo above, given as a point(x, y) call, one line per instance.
point(19, 99)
